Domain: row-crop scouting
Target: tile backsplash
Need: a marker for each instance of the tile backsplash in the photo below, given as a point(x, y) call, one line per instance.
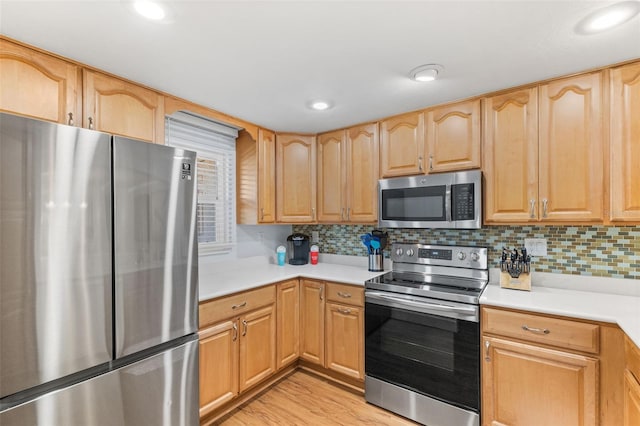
point(605, 251)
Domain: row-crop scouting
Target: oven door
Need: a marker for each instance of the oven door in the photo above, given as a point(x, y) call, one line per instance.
point(425, 345)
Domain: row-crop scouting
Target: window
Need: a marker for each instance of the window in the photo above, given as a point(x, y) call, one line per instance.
point(215, 145)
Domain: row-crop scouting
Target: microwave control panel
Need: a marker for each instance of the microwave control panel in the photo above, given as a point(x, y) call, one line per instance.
point(463, 206)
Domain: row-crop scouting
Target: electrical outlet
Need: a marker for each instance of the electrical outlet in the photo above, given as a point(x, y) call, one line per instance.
point(536, 246)
point(315, 237)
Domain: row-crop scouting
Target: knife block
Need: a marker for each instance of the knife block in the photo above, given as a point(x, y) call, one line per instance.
point(522, 282)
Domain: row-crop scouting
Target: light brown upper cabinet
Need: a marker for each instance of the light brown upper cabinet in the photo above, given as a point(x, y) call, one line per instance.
point(571, 149)
point(38, 85)
point(544, 153)
point(116, 106)
point(402, 145)
point(256, 177)
point(348, 175)
point(625, 143)
point(453, 137)
point(295, 178)
point(511, 156)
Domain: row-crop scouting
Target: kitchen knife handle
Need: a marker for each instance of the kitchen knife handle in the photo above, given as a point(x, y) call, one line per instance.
point(235, 331)
point(344, 295)
point(486, 350)
point(240, 305)
point(344, 311)
point(244, 327)
point(420, 163)
point(544, 207)
point(430, 162)
point(532, 208)
point(90, 123)
point(70, 121)
point(536, 330)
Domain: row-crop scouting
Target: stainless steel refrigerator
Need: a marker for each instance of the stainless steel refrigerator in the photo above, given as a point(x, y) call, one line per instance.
point(98, 278)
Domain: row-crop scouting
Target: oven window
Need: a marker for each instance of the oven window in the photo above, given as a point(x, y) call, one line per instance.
point(429, 354)
point(414, 204)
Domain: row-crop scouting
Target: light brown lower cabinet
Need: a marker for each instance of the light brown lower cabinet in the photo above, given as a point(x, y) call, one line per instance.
point(344, 345)
point(632, 385)
point(525, 384)
point(312, 301)
point(288, 322)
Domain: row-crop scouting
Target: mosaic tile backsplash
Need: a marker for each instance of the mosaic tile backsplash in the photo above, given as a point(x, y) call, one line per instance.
point(605, 251)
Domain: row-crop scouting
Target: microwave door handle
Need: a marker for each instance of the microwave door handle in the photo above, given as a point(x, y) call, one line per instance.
point(447, 203)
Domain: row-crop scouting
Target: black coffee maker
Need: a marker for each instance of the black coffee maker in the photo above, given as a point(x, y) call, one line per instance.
point(298, 249)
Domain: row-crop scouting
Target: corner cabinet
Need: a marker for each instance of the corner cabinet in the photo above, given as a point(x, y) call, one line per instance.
point(295, 178)
point(122, 108)
point(39, 85)
point(625, 144)
point(631, 384)
point(288, 322)
point(402, 145)
point(348, 175)
point(453, 137)
point(312, 302)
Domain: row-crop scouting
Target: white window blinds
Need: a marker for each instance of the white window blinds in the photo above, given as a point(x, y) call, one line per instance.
point(215, 145)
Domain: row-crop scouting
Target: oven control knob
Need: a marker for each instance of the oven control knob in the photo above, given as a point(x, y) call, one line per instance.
point(475, 256)
point(399, 252)
point(410, 252)
point(462, 255)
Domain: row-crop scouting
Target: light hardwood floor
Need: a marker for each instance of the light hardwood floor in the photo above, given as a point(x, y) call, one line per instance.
point(305, 399)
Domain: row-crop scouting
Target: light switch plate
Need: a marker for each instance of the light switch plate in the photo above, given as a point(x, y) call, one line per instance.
point(536, 246)
point(315, 237)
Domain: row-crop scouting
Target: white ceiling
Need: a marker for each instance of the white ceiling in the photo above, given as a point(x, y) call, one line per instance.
point(264, 61)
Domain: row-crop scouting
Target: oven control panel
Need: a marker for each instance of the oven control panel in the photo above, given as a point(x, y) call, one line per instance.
point(458, 256)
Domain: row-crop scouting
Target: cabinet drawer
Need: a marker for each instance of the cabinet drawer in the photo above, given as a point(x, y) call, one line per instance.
point(344, 293)
point(632, 355)
point(567, 334)
point(235, 304)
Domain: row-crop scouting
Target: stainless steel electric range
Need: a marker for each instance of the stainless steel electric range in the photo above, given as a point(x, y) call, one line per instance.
point(422, 334)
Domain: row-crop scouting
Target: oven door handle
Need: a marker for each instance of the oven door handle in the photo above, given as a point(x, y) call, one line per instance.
point(459, 312)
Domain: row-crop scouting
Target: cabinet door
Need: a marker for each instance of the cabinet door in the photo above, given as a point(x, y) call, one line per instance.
point(288, 322)
point(312, 303)
point(453, 137)
point(402, 145)
point(345, 340)
point(331, 177)
point(362, 160)
point(38, 85)
point(266, 176)
point(529, 385)
point(631, 400)
point(571, 147)
point(296, 178)
point(511, 156)
point(116, 106)
point(218, 365)
point(257, 346)
point(625, 143)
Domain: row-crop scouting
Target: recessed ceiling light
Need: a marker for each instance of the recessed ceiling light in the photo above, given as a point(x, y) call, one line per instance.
point(608, 17)
point(319, 105)
point(428, 72)
point(149, 10)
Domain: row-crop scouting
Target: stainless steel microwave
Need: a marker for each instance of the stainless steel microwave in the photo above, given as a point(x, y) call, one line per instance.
point(445, 200)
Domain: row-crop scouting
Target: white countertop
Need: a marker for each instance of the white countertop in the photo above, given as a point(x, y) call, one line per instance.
point(220, 279)
point(610, 300)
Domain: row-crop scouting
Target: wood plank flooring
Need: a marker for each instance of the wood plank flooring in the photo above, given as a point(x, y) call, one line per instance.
point(305, 399)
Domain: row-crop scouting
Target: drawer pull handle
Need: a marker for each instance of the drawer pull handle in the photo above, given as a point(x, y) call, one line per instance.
point(344, 311)
point(241, 305)
point(344, 295)
point(235, 331)
point(70, 121)
point(486, 350)
point(244, 327)
point(536, 330)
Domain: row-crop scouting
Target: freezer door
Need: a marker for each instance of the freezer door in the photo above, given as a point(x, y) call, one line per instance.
point(55, 251)
point(156, 260)
point(160, 390)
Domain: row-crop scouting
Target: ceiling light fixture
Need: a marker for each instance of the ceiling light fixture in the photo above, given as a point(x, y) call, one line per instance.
point(149, 10)
point(428, 72)
point(319, 105)
point(608, 17)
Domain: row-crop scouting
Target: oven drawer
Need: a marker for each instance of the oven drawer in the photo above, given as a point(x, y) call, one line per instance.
point(235, 304)
point(556, 332)
point(349, 294)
